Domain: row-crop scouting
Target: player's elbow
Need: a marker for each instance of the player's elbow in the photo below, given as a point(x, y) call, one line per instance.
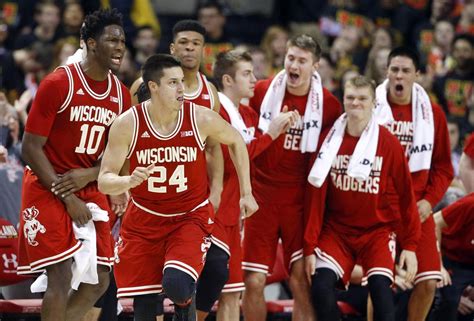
point(102, 184)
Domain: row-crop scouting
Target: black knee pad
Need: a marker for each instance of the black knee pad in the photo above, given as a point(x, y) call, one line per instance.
point(213, 278)
point(145, 307)
point(323, 294)
point(178, 285)
point(382, 298)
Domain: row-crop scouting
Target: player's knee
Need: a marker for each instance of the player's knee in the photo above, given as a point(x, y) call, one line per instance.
point(145, 307)
point(323, 282)
point(427, 287)
point(254, 282)
point(59, 277)
point(178, 285)
point(216, 266)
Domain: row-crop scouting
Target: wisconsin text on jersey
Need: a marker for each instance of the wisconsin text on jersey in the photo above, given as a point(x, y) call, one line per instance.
point(345, 182)
point(166, 155)
point(93, 114)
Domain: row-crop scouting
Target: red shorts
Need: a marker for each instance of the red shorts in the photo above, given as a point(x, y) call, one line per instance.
point(427, 253)
point(148, 244)
point(219, 236)
point(235, 283)
point(262, 231)
point(374, 251)
point(46, 235)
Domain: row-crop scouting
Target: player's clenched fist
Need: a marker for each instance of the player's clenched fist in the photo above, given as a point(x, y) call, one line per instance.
point(140, 174)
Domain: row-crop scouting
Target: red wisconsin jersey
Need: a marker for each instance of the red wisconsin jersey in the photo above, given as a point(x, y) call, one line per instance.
point(428, 184)
point(179, 182)
point(203, 95)
point(457, 242)
point(229, 208)
point(75, 112)
point(469, 146)
point(282, 169)
point(353, 207)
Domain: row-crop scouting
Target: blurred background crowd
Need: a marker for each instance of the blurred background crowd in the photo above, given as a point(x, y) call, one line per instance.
point(356, 37)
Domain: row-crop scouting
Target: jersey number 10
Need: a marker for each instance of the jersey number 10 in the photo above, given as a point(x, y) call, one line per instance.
point(178, 178)
point(92, 138)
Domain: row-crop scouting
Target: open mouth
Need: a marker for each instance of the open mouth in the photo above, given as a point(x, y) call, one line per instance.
point(398, 88)
point(116, 60)
point(293, 77)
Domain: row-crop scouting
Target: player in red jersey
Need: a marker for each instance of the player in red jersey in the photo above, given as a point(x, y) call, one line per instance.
point(455, 231)
point(65, 137)
point(405, 109)
point(348, 217)
point(165, 233)
point(234, 75)
point(466, 165)
point(281, 173)
point(187, 47)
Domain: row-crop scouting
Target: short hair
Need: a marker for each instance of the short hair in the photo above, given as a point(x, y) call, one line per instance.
point(306, 42)
point(226, 62)
point(466, 37)
point(147, 27)
point(95, 23)
point(405, 52)
point(143, 93)
point(188, 25)
point(362, 81)
point(153, 68)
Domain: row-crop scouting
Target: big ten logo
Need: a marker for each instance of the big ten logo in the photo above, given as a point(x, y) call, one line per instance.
point(10, 262)
point(205, 246)
point(293, 136)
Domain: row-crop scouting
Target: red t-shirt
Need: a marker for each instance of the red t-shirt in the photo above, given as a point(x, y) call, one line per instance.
point(229, 209)
point(75, 112)
point(177, 184)
point(282, 170)
point(457, 242)
point(469, 146)
point(427, 184)
point(351, 207)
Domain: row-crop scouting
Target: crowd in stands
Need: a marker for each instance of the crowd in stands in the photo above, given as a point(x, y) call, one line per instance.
point(356, 37)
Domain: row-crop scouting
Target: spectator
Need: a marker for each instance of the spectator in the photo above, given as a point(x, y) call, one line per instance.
point(274, 45)
point(145, 44)
point(327, 70)
point(261, 65)
point(47, 17)
point(455, 88)
point(72, 18)
point(63, 49)
point(466, 21)
point(11, 83)
point(211, 16)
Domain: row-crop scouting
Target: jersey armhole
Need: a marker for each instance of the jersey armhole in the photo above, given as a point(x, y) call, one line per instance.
point(68, 99)
point(192, 109)
point(133, 143)
point(119, 93)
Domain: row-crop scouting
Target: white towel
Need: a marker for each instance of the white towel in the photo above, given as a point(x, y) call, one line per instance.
point(423, 124)
point(360, 164)
point(235, 118)
point(78, 56)
point(84, 267)
point(313, 116)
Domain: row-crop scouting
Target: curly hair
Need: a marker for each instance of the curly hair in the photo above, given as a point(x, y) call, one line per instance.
point(95, 23)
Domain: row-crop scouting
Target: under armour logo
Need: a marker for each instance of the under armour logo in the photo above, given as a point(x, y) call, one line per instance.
point(9, 261)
